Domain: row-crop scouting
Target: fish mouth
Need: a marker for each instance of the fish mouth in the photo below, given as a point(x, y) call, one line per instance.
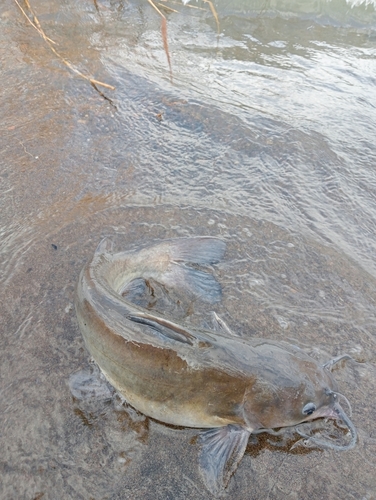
point(336, 412)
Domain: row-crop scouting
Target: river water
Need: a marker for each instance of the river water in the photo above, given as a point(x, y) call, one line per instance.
point(264, 135)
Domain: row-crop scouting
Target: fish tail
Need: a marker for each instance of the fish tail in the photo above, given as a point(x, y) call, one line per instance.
point(177, 264)
point(202, 250)
point(184, 255)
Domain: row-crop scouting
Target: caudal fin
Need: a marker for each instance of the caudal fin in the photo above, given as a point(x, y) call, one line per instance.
point(177, 264)
point(185, 254)
point(202, 250)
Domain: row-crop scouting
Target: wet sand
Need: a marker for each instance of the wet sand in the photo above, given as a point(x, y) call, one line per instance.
point(70, 175)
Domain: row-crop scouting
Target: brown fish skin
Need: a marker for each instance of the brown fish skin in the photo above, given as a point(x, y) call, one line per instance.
point(194, 378)
point(257, 384)
point(158, 382)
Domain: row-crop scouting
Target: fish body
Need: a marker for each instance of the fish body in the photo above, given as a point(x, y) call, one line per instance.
point(195, 378)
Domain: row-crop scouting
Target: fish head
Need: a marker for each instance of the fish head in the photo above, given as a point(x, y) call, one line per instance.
point(291, 389)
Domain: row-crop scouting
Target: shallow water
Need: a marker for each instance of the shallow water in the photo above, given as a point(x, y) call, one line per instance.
point(265, 137)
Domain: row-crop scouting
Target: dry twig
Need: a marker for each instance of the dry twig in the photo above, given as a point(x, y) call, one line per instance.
point(214, 12)
point(36, 24)
point(164, 34)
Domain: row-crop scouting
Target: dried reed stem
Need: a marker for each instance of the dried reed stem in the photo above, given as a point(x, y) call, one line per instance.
point(36, 24)
point(164, 34)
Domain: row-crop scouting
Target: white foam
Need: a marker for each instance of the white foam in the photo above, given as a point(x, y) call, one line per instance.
point(358, 3)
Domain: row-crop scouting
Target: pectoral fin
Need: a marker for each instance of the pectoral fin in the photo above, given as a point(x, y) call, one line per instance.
point(222, 449)
point(163, 327)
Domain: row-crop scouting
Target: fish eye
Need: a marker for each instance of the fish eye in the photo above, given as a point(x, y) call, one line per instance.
point(309, 409)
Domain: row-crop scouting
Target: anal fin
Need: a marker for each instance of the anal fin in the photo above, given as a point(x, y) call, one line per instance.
point(90, 384)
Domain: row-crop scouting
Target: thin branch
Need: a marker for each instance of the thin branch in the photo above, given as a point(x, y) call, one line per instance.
point(36, 24)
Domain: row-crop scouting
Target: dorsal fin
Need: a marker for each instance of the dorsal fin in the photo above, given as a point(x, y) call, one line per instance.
point(221, 326)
